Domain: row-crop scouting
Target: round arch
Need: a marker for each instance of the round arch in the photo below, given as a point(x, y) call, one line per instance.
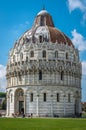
point(19, 101)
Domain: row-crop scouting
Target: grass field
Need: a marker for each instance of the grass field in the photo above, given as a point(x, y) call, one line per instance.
point(42, 124)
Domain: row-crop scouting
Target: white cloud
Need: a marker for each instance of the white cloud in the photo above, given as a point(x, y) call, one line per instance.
point(78, 40)
point(2, 71)
point(84, 67)
point(2, 78)
point(83, 22)
point(78, 4)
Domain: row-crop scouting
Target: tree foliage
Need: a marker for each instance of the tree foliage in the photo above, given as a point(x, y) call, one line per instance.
point(2, 94)
point(3, 104)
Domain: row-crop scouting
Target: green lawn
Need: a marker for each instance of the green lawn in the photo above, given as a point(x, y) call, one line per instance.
point(42, 124)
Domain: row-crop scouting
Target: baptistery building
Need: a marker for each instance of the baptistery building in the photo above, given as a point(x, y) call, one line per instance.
point(44, 72)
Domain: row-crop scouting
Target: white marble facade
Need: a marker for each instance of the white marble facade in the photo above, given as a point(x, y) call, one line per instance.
point(44, 72)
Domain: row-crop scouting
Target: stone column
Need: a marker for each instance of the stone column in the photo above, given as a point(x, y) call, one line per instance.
point(37, 112)
point(25, 103)
point(80, 108)
point(51, 105)
point(13, 102)
point(51, 101)
point(7, 110)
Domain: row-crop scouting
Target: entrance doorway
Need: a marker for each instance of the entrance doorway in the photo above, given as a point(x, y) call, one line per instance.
point(21, 107)
point(19, 101)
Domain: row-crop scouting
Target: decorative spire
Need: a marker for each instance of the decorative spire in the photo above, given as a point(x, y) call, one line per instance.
point(43, 7)
point(43, 4)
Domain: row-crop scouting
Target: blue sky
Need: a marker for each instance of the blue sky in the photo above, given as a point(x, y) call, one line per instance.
point(17, 16)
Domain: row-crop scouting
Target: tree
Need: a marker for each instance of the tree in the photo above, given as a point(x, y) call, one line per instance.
point(3, 97)
point(2, 94)
point(4, 105)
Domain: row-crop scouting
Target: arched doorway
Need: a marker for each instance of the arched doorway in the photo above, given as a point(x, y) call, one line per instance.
point(19, 101)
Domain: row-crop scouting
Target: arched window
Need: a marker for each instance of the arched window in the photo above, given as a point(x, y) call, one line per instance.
point(26, 58)
point(58, 97)
point(40, 75)
point(13, 57)
point(56, 54)
point(18, 63)
point(33, 39)
point(44, 96)
point(66, 55)
point(40, 39)
point(32, 54)
point(62, 75)
point(69, 99)
point(27, 40)
point(42, 21)
point(31, 97)
point(19, 76)
point(44, 54)
point(21, 56)
point(74, 57)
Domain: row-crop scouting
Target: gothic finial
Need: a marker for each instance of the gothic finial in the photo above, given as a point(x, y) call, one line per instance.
point(43, 7)
point(43, 4)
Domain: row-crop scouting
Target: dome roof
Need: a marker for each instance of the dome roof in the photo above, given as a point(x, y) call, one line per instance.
point(44, 30)
point(60, 37)
point(43, 18)
point(42, 12)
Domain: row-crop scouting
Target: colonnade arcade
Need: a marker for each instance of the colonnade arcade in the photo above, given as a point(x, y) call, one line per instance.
point(26, 96)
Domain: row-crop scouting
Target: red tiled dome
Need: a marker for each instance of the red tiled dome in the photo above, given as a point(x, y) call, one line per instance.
point(60, 37)
point(43, 18)
point(44, 28)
